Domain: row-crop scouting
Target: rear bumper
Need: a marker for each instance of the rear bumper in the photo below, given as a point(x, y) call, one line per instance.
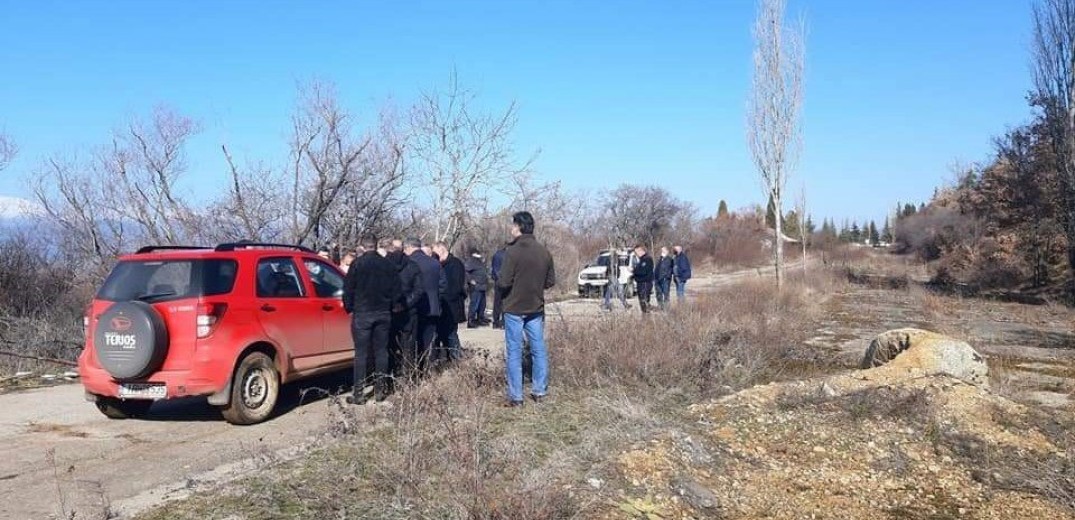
point(178, 383)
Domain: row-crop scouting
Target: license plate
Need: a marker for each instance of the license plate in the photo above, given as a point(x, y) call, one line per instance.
point(143, 390)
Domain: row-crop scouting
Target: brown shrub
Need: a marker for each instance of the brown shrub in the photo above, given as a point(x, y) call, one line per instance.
point(730, 339)
point(733, 241)
point(40, 305)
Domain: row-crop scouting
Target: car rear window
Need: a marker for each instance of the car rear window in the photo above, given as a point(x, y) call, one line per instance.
point(158, 281)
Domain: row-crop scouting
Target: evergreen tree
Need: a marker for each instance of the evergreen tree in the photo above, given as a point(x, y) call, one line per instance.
point(770, 214)
point(810, 229)
point(886, 232)
point(845, 233)
point(856, 233)
point(875, 238)
point(722, 210)
point(791, 224)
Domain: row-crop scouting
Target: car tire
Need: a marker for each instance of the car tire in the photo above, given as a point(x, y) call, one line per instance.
point(255, 388)
point(123, 409)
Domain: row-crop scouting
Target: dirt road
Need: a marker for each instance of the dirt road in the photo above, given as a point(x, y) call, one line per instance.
point(59, 455)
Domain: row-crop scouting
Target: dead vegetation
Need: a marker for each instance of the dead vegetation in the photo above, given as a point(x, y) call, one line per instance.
point(446, 449)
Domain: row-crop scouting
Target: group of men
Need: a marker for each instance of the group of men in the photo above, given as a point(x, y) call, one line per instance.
point(668, 270)
point(407, 301)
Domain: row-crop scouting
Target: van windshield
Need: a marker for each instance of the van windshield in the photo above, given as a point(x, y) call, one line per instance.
point(603, 260)
point(158, 281)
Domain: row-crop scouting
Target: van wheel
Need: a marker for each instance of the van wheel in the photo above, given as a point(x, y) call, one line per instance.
point(119, 409)
point(254, 390)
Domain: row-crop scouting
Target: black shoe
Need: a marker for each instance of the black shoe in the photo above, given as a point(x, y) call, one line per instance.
point(537, 398)
point(356, 400)
point(472, 324)
point(513, 404)
point(498, 325)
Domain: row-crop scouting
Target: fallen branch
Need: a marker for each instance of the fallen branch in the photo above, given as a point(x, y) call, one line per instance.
point(63, 362)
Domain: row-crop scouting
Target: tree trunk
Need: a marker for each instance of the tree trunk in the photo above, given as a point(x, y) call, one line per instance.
point(803, 238)
point(1069, 228)
point(779, 249)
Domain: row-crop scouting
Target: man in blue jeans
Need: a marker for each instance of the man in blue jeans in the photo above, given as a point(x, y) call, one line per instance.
point(526, 274)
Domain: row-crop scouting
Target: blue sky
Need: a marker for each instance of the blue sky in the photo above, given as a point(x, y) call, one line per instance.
point(610, 91)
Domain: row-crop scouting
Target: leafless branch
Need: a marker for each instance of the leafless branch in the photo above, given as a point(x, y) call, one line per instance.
point(773, 129)
point(464, 154)
point(8, 150)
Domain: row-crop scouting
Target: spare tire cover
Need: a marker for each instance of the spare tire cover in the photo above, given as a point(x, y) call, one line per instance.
point(131, 340)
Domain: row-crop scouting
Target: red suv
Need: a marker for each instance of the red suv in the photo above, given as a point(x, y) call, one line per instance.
point(232, 323)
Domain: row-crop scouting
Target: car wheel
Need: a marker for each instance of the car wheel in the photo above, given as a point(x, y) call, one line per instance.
point(254, 390)
point(119, 409)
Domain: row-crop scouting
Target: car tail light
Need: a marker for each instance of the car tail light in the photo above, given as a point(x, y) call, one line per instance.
point(209, 315)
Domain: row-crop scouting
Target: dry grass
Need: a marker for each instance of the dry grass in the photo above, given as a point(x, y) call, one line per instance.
point(444, 448)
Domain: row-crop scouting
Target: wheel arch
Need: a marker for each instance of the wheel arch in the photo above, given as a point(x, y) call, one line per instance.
point(223, 397)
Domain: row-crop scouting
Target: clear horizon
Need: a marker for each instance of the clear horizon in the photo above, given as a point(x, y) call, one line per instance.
point(642, 92)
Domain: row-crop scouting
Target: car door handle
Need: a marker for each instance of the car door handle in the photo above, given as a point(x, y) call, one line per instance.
point(328, 307)
point(268, 308)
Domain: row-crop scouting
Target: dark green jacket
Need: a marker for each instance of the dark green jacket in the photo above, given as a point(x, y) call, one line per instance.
point(526, 274)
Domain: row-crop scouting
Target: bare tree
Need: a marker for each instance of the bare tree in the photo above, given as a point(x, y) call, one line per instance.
point(464, 153)
point(326, 155)
point(254, 208)
point(8, 150)
point(643, 214)
point(125, 193)
point(372, 201)
point(773, 127)
point(1054, 84)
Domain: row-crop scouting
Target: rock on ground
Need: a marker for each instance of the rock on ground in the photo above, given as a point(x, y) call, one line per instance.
point(921, 352)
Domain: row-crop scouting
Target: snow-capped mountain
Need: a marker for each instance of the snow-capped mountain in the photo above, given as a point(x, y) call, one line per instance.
point(15, 208)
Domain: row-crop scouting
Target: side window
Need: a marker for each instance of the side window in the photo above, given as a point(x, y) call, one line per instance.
point(278, 278)
point(327, 282)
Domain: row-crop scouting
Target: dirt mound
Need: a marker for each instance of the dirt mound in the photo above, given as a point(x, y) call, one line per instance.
point(897, 441)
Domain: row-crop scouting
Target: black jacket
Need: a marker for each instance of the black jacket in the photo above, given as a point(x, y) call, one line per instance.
point(477, 274)
point(411, 278)
point(665, 268)
point(527, 272)
point(643, 272)
point(372, 285)
point(453, 293)
point(431, 271)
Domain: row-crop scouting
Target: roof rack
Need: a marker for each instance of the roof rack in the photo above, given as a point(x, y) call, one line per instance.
point(247, 244)
point(150, 249)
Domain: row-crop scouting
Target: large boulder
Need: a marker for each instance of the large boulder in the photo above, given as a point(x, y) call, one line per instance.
point(910, 352)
